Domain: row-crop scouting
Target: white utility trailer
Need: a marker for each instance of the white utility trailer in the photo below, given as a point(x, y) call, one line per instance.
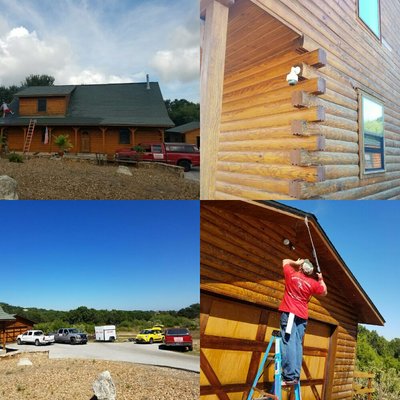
point(107, 333)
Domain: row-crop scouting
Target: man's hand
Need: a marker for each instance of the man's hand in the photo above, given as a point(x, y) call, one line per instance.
point(299, 261)
point(319, 275)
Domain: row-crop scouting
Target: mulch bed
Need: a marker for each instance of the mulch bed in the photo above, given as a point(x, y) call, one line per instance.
point(49, 379)
point(47, 179)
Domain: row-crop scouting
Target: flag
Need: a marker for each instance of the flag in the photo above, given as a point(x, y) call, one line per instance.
point(46, 136)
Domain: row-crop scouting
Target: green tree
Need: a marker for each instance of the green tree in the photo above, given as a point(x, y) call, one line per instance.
point(182, 111)
point(38, 80)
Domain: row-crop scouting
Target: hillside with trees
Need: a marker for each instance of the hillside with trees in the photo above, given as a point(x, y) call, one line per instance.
point(382, 357)
point(87, 318)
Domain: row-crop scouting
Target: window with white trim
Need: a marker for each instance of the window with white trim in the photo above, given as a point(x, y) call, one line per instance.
point(372, 135)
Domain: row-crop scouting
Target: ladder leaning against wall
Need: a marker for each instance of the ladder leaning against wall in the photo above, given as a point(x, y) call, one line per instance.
point(29, 135)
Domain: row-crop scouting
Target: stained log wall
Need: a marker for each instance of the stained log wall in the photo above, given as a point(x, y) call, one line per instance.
point(97, 144)
point(55, 106)
point(278, 142)
point(241, 262)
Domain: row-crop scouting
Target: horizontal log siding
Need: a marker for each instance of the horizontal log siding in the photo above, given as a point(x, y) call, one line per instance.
point(241, 258)
point(356, 59)
point(256, 135)
point(55, 106)
point(15, 137)
point(191, 137)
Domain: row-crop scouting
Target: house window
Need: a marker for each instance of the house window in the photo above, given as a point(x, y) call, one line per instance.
point(368, 12)
point(372, 143)
point(42, 105)
point(124, 136)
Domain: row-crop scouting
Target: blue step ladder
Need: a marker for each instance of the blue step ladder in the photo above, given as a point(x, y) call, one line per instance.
point(277, 395)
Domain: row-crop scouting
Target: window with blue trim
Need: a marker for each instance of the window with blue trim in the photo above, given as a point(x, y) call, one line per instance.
point(368, 12)
point(372, 127)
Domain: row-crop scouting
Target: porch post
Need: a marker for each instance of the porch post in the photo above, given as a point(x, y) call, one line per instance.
point(132, 130)
point(213, 48)
point(103, 133)
point(76, 139)
point(50, 130)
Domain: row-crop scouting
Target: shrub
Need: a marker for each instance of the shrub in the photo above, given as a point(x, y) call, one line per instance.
point(62, 141)
point(14, 157)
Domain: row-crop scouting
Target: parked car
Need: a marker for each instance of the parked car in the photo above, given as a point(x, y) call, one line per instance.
point(183, 154)
point(178, 337)
point(106, 333)
point(150, 336)
point(35, 337)
point(70, 335)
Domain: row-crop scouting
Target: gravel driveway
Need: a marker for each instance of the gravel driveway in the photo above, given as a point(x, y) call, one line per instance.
point(148, 354)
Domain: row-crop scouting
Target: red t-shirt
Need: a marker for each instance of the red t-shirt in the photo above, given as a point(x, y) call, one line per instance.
point(298, 290)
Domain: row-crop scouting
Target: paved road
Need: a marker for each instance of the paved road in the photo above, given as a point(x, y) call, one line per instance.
point(193, 174)
point(130, 352)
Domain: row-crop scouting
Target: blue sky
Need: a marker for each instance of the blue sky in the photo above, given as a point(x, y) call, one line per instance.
point(366, 235)
point(100, 41)
point(141, 255)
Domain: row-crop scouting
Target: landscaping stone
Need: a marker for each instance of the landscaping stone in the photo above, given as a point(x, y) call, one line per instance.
point(124, 170)
point(103, 387)
point(8, 188)
point(24, 361)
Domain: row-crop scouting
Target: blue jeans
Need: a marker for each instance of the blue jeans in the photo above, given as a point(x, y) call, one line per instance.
point(292, 347)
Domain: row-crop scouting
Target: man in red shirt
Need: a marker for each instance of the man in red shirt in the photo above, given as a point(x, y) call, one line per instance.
point(299, 288)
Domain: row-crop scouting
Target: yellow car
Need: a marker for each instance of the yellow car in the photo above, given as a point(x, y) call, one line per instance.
point(150, 336)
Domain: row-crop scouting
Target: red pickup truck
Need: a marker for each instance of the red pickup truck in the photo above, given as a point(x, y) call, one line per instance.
point(183, 154)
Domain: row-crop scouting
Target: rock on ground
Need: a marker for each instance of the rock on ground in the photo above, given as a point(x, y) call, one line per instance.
point(8, 188)
point(24, 361)
point(103, 387)
point(124, 170)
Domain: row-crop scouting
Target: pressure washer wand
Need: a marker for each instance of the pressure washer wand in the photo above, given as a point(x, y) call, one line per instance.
point(312, 244)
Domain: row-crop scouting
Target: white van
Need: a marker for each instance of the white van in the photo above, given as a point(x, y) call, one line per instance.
point(106, 333)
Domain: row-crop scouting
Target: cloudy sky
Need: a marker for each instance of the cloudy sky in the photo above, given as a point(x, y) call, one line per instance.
point(99, 41)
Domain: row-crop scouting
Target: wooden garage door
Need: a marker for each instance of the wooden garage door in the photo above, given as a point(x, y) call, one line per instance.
point(234, 336)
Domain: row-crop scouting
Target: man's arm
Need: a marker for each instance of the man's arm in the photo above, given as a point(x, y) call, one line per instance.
point(322, 283)
point(292, 263)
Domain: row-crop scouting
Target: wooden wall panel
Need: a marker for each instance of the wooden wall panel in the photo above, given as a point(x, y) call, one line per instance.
point(261, 113)
point(55, 106)
point(241, 272)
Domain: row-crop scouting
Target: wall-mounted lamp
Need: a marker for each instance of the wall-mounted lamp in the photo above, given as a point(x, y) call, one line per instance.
point(289, 244)
point(292, 78)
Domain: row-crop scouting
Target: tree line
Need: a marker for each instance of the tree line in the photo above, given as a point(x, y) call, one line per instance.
point(51, 320)
point(382, 357)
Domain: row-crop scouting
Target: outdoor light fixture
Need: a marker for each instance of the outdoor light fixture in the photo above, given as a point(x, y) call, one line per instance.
point(289, 244)
point(292, 78)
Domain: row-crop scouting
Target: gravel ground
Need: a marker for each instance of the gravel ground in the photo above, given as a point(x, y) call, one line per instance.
point(45, 179)
point(72, 379)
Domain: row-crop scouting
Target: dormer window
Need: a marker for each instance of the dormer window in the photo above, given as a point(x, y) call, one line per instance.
point(42, 105)
point(369, 13)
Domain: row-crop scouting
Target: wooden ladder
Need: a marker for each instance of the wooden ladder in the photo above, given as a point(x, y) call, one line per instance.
point(29, 135)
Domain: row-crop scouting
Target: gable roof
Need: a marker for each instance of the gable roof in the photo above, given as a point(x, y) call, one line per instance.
point(121, 104)
point(190, 126)
point(329, 258)
point(5, 316)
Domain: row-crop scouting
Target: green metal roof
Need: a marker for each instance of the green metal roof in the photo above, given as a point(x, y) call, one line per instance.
point(5, 316)
point(190, 126)
point(122, 104)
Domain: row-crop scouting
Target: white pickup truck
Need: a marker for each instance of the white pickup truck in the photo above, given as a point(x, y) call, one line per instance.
point(35, 337)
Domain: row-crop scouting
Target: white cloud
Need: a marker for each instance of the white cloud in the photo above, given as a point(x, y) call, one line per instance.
point(97, 41)
point(177, 65)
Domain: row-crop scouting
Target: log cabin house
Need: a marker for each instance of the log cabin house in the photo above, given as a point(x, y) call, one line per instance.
point(97, 118)
point(334, 135)
point(242, 284)
point(186, 133)
point(12, 325)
